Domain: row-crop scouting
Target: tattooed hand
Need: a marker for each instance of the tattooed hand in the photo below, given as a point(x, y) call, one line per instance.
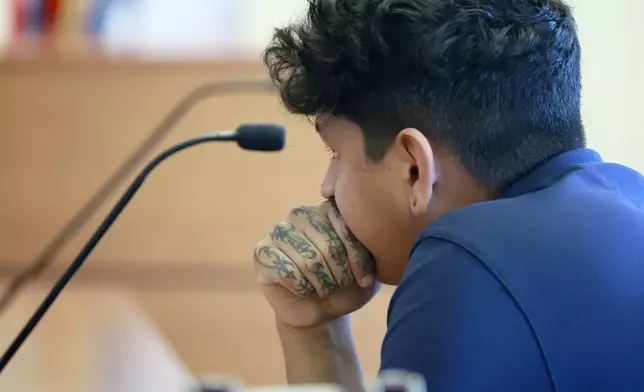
point(312, 269)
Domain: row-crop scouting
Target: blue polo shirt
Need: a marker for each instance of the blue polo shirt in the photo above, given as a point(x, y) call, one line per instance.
point(539, 290)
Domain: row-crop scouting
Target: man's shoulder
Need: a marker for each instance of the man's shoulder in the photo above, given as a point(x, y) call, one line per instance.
point(560, 254)
point(514, 286)
point(450, 315)
point(587, 226)
point(590, 206)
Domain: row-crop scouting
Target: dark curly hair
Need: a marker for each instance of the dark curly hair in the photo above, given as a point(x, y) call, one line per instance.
point(496, 82)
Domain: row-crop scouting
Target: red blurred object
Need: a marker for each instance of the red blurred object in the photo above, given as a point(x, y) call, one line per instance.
point(51, 15)
point(20, 17)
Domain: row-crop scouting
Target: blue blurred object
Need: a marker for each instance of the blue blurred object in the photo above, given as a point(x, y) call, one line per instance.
point(35, 16)
point(97, 15)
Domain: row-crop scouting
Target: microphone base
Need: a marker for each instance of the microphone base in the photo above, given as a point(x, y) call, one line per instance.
point(387, 381)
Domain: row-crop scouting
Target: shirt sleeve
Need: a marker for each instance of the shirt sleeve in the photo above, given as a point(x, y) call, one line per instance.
point(455, 323)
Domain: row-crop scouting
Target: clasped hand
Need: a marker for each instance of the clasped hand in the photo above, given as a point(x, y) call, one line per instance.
point(313, 269)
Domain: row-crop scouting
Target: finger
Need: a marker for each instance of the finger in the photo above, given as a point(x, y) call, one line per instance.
point(360, 259)
point(304, 254)
point(315, 225)
point(274, 267)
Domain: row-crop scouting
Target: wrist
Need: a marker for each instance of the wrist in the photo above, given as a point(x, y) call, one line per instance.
point(323, 353)
point(334, 331)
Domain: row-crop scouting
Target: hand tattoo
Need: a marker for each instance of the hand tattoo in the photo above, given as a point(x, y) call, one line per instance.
point(284, 268)
point(328, 285)
point(364, 258)
point(336, 248)
point(286, 233)
point(304, 288)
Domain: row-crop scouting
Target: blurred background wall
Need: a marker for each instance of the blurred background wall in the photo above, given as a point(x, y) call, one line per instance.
point(80, 89)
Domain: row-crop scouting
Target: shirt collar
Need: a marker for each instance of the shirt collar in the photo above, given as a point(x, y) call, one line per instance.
point(551, 171)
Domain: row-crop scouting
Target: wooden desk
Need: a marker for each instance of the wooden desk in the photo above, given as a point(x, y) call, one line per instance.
point(102, 339)
point(92, 340)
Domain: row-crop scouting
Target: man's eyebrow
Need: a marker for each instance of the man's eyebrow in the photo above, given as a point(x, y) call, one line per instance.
point(318, 126)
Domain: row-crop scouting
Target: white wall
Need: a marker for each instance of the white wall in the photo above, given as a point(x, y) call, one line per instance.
point(6, 22)
point(264, 15)
point(613, 66)
point(612, 35)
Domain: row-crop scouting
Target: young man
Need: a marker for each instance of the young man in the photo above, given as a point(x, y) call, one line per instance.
point(459, 165)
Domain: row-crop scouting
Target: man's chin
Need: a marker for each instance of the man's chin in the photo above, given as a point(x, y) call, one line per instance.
point(387, 273)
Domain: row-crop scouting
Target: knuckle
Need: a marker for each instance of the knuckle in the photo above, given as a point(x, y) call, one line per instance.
point(298, 211)
point(261, 246)
point(281, 231)
point(281, 227)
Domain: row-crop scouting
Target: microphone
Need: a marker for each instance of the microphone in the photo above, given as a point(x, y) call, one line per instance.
point(260, 137)
point(254, 137)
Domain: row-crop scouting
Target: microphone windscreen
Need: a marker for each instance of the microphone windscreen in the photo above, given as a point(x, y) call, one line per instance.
point(261, 137)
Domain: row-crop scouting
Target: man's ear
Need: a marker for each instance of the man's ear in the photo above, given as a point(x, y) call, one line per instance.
point(419, 168)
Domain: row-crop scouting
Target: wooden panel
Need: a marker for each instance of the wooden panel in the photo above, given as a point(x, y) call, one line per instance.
point(232, 332)
point(66, 126)
point(184, 244)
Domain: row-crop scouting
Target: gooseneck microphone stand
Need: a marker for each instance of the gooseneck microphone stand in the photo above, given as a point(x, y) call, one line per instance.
point(258, 137)
point(78, 220)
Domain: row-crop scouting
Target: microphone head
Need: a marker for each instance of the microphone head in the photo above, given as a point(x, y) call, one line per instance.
point(261, 137)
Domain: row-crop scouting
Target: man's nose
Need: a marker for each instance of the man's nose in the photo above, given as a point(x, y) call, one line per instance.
point(327, 189)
